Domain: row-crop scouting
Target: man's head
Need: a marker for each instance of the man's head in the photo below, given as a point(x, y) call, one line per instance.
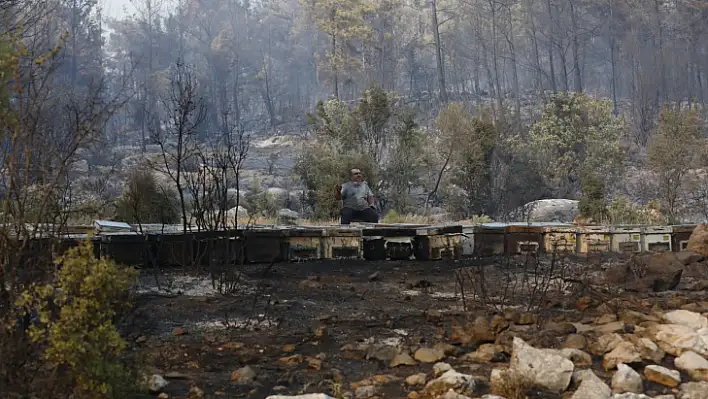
point(356, 175)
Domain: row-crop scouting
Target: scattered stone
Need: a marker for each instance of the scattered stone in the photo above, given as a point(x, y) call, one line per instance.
point(365, 392)
point(451, 379)
point(575, 341)
point(244, 375)
point(606, 318)
point(451, 394)
point(196, 393)
point(292, 360)
point(693, 364)
point(306, 396)
point(662, 375)
point(175, 375)
point(686, 318)
point(544, 368)
point(403, 359)
point(441, 368)
point(447, 349)
point(374, 276)
point(630, 395)
point(289, 348)
point(688, 257)
point(384, 353)
point(578, 357)
point(429, 355)
point(416, 379)
point(591, 387)
point(413, 395)
point(486, 353)
point(605, 343)
point(178, 331)
point(626, 380)
point(625, 352)
point(676, 339)
point(163, 396)
point(649, 350)
point(156, 383)
point(693, 390)
point(613, 327)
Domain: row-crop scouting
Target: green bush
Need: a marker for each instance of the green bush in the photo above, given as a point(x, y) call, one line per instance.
point(74, 326)
point(144, 201)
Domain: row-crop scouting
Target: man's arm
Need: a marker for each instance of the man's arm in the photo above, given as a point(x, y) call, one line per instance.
point(338, 192)
point(370, 196)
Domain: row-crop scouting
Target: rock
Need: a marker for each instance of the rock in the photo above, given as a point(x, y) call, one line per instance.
point(365, 392)
point(486, 353)
point(686, 318)
point(195, 393)
point(163, 396)
point(649, 350)
point(447, 349)
point(429, 355)
point(698, 242)
point(693, 364)
point(441, 368)
point(633, 318)
point(605, 343)
point(575, 341)
point(156, 383)
point(244, 375)
point(451, 394)
point(482, 330)
point(413, 395)
point(374, 276)
point(287, 217)
point(676, 339)
point(662, 375)
point(644, 272)
point(578, 357)
point(307, 396)
point(235, 214)
point(451, 379)
point(544, 368)
point(626, 380)
point(403, 359)
point(384, 353)
point(613, 327)
point(416, 379)
point(591, 387)
point(630, 395)
point(606, 318)
point(688, 257)
point(551, 210)
point(625, 352)
point(178, 331)
point(693, 390)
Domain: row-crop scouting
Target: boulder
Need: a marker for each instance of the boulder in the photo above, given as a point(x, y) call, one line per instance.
point(451, 379)
point(662, 375)
point(591, 387)
point(693, 364)
point(698, 242)
point(686, 318)
point(676, 339)
point(545, 369)
point(693, 390)
point(626, 380)
point(625, 352)
point(551, 210)
point(287, 217)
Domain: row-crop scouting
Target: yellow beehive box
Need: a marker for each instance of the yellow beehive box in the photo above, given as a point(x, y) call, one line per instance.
point(560, 239)
point(593, 239)
point(656, 238)
point(626, 239)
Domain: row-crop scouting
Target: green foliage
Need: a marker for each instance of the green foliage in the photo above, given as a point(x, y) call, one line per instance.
point(624, 211)
point(75, 326)
point(378, 137)
point(144, 201)
point(470, 141)
point(592, 202)
point(674, 148)
point(576, 134)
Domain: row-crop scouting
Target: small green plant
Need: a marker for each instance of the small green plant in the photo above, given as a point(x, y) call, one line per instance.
point(74, 318)
point(144, 201)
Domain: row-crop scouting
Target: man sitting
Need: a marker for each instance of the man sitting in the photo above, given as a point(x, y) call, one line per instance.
point(357, 200)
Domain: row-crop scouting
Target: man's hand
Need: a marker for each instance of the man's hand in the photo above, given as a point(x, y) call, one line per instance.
point(338, 192)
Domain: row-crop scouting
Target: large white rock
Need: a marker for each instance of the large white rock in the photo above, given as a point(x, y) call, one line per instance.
point(544, 368)
point(693, 364)
point(676, 339)
point(693, 390)
point(451, 379)
point(551, 210)
point(625, 352)
point(626, 380)
point(591, 387)
point(686, 318)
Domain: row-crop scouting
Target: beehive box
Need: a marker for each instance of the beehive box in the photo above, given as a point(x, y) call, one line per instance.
point(342, 243)
point(395, 243)
point(680, 236)
point(524, 239)
point(433, 243)
point(560, 239)
point(593, 239)
point(626, 239)
point(467, 240)
point(656, 238)
point(265, 245)
point(304, 244)
point(174, 249)
point(125, 248)
point(490, 239)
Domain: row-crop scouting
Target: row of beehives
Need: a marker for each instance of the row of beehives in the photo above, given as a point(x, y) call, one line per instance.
point(377, 242)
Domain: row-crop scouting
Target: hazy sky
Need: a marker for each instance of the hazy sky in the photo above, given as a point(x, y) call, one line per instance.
point(114, 8)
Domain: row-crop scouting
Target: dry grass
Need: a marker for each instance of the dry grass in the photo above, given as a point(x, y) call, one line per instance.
point(512, 386)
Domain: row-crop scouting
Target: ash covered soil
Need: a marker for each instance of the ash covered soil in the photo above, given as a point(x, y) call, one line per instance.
point(387, 329)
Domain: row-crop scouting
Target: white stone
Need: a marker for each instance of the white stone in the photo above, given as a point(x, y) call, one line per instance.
point(673, 377)
point(451, 379)
point(591, 387)
point(156, 383)
point(686, 318)
point(694, 390)
point(626, 380)
point(544, 368)
point(693, 364)
point(676, 339)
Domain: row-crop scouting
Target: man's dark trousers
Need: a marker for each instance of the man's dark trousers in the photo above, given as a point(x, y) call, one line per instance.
point(367, 215)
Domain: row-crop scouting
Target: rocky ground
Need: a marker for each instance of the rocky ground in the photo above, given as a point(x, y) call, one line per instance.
point(355, 329)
